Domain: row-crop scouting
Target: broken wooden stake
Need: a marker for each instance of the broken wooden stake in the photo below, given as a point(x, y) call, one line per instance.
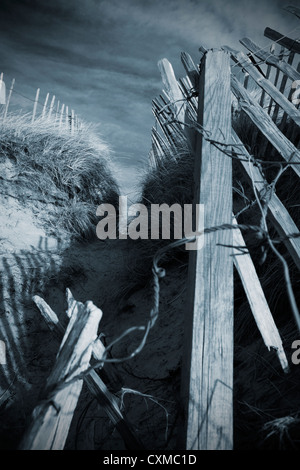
point(51, 419)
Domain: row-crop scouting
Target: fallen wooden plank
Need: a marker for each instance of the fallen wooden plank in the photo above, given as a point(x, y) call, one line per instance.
point(257, 301)
point(94, 382)
point(266, 85)
point(207, 372)
point(271, 59)
point(291, 44)
point(265, 124)
point(278, 214)
point(52, 418)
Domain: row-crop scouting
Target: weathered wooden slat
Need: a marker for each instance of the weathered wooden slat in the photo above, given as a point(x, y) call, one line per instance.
point(95, 384)
point(278, 214)
point(52, 417)
point(72, 121)
point(160, 143)
point(172, 87)
point(45, 105)
point(35, 104)
point(246, 80)
point(51, 106)
point(162, 117)
point(187, 91)
point(270, 59)
point(190, 112)
point(191, 69)
point(9, 97)
point(267, 86)
point(49, 316)
point(282, 89)
point(265, 124)
point(257, 301)
point(276, 80)
point(61, 114)
point(151, 159)
point(290, 44)
point(207, 373)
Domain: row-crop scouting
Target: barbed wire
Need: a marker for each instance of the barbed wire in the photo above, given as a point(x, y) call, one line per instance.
point(158, 273)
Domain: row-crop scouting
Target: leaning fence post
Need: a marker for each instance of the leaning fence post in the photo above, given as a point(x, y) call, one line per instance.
point(207, 372)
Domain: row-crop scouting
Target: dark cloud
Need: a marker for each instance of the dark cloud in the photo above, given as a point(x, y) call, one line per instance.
point(100, 56)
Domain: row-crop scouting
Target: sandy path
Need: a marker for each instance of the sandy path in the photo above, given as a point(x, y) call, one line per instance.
point(33, 263)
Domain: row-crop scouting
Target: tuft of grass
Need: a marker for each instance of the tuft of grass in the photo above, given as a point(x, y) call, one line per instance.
point(172, 182)
point(70, 174)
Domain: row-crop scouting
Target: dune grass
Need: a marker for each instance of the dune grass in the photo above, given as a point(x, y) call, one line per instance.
point(70, 174)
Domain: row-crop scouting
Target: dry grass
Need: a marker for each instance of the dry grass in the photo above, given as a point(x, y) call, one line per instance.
point(71, 170)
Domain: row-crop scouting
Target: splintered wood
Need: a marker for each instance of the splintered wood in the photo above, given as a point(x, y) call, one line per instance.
point(52, 417)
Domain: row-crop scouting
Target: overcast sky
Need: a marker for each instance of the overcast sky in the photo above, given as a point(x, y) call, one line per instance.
point(100, 56)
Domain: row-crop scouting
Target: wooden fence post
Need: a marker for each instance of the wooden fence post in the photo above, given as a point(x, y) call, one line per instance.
point(72, 121)
point(35, 104)
point(51, 106)
point(9, 97)
point(67, 117)
point(45, 105)
point(207, 371)
point(57, 111)
point(61, 114)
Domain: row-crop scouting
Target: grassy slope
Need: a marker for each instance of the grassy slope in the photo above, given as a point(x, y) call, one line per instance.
point(71, 171)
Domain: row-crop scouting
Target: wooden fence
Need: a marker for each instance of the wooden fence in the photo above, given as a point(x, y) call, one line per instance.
point(196, 111)
point(55, 112)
